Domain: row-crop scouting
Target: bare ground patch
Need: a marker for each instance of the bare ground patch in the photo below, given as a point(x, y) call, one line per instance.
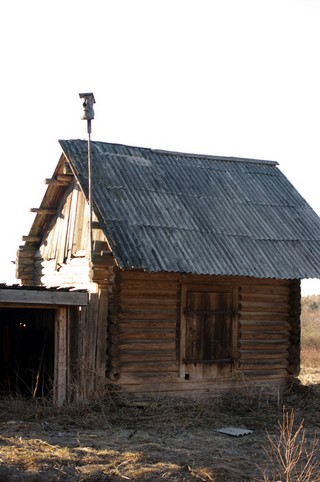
point(158, 441)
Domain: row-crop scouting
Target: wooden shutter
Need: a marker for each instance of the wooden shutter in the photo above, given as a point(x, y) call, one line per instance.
point(208, 332)
point(209, 327)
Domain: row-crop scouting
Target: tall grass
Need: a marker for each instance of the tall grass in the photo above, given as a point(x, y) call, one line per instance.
point(310, 332)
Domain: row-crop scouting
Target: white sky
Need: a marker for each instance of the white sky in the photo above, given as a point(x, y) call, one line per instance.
point(221, 77)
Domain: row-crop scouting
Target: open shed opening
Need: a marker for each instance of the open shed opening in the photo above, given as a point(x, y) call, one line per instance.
point(26, 352)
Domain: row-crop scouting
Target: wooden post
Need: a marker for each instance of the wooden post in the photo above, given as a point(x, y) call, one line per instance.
point(60, 357)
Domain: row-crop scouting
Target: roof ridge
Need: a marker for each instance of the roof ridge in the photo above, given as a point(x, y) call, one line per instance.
point(216, 158)
point(181, 153)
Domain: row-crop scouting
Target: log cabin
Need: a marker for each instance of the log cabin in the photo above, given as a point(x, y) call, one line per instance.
point(192, 264)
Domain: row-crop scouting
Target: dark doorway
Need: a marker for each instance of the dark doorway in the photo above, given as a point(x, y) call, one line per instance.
point(26, 351)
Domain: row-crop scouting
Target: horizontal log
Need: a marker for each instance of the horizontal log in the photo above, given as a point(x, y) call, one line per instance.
point(258, 316)
point(24, 269)
point(44, 211)
point(148, 367)
point(264, 307)
point(147, 325)
point(267, 336)
point(95, 225)
point(263, 345)
point(147, 335)
point(134, 275)
point(138, 356)
point(147, 346)
point(25, 248)
point(56, 182)
point(276, 289)
point(159, 316)
point(145, 285)
point(149, 376)
point(105, 260)
point(270, 367)
point(65, 177)
point(263, 298)
point(261, 355)
point(156, 295)
point(265, 374)
point(193, 388)
point(264, 325)
point(31, 239)
point(27, 261)
point(150, 304)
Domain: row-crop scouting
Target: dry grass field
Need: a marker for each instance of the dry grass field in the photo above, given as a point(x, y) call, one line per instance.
point(162, 441)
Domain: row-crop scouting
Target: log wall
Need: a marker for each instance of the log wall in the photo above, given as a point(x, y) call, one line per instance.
point(144, 333)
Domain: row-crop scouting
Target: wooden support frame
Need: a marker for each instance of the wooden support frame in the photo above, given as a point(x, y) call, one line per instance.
point(62, 303)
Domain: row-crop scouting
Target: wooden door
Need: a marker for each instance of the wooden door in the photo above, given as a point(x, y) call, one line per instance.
point(209, 334)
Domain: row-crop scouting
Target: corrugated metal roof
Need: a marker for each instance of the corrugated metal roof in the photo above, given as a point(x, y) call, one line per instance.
point(168, 211)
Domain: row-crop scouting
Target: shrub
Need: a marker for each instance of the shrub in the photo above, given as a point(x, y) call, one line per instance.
point(291, 456)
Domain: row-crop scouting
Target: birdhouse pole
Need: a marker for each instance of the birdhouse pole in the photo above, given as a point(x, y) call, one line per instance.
point(88, 115)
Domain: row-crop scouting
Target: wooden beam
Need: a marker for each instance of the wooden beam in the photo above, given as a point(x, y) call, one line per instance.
point(43, 211)
point(65, 177)
point(43, 297)
point(56, 182)
point(31, 239)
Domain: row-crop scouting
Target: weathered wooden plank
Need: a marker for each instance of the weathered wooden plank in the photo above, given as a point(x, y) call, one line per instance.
point(81, 229)
point(60, 298)
point(65, 226)
point(71, 222)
